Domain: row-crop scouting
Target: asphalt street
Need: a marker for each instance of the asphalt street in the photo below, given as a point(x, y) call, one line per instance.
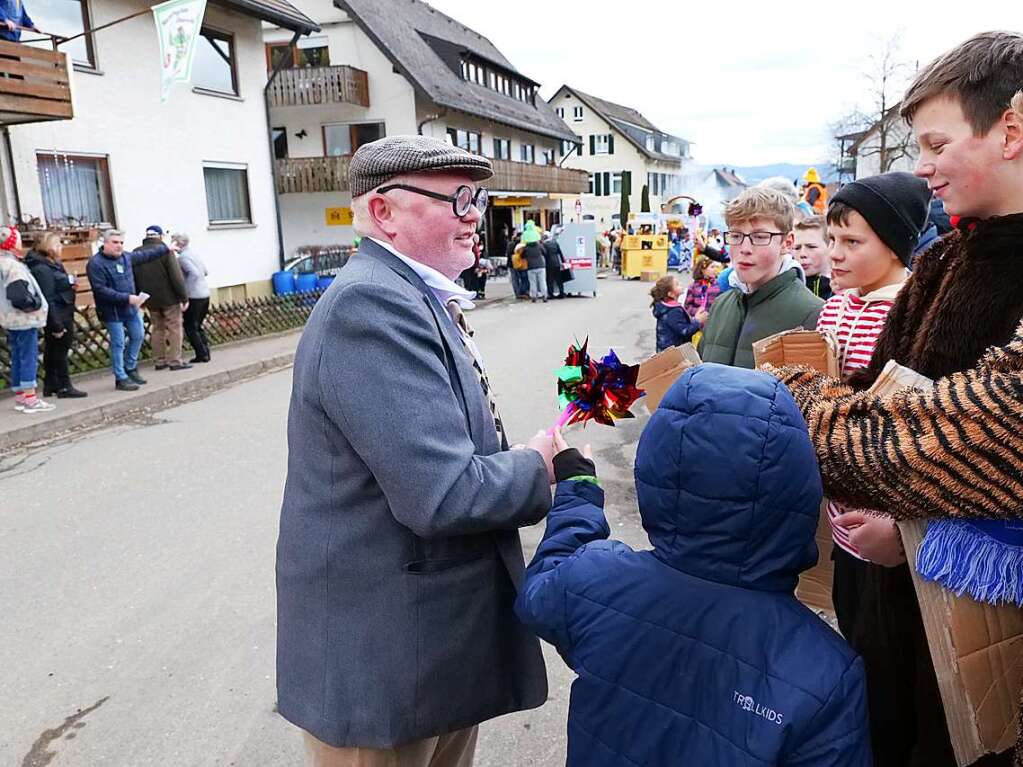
point(137, 563)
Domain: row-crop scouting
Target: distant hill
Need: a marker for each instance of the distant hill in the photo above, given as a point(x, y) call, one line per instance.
point(757, 173)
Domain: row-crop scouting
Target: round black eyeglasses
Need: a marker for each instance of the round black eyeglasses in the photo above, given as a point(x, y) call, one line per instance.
point(461, 201)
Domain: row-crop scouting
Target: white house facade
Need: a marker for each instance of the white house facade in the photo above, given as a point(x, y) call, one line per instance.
point(383, 67)
point(616, 142)
point(198, 163)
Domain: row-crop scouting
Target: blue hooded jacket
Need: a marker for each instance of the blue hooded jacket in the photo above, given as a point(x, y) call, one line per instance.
point(674, 325)
point(697, 653)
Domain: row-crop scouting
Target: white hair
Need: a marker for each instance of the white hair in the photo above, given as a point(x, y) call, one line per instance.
point(181, 238)
point(113, 233)
point(783, 185)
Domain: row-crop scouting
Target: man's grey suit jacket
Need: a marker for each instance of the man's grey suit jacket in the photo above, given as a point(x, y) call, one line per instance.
point(399, 559)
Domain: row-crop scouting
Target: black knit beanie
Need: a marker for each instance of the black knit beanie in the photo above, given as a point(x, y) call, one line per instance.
point(895, 206)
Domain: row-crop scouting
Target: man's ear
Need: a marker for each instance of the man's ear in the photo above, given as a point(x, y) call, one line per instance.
point(1012, 128)
point(381, 213)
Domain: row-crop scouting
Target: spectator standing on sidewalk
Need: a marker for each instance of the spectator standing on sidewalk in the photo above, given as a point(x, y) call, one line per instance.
point(22, 312)
point(59, 289)
point(198, 292)
point(112, 279)
point(555, 267)
point(162, 279)
point(536, 262)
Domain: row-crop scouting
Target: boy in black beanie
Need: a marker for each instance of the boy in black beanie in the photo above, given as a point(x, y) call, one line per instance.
point(873, 227)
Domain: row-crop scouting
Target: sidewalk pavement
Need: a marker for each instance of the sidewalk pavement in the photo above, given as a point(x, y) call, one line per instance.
point(230, 364)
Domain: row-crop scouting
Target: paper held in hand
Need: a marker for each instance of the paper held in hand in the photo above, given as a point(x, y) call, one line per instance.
point(658, 373)
point(976, 647)
point(809, 348)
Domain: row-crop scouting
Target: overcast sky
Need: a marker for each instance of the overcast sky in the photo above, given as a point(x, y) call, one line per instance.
point(750, 83)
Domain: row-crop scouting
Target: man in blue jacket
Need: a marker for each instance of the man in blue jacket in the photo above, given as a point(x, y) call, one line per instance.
point(117, 304)
point(14, 17)
point(697, 652)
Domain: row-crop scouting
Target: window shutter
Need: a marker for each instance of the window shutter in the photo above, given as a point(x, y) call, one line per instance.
point(593, 144)
point(597, 188)
point(610, 143)
point(607, 183)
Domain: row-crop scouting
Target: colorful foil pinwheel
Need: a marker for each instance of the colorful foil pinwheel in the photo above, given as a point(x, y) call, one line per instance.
point(600, 391)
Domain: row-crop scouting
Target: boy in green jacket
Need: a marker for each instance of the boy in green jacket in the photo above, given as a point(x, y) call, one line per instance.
point(768, 294)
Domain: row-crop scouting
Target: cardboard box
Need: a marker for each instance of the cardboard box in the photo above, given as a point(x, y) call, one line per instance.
point(799, 347)
point(977, 648)
point(658, 373)
point(814, 587)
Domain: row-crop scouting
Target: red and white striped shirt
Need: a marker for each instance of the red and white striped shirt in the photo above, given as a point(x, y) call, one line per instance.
point(856, 321)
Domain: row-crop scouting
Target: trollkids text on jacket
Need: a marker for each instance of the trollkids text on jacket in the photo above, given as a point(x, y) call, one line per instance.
point(697, 652)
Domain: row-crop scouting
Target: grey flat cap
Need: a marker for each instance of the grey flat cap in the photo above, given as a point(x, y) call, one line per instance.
point(374, 163)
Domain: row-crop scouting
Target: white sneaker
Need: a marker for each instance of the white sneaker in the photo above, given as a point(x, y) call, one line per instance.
point(37, 406)
point(19, 406)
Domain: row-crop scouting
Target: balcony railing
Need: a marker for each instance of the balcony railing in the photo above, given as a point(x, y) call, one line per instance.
point(312, 174)
point(527, 177)
point(320, 85)
point(330, 174)
point(34, 85)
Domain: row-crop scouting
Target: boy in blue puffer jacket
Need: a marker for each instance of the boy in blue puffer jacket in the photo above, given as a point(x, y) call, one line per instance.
point(697, 653)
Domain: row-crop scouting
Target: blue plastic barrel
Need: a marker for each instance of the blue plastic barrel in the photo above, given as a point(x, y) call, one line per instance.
point(306, 283)
point(284, 283)
point(324, 282)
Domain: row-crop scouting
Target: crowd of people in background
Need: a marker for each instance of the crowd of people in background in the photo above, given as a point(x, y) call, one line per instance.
point(38, 294)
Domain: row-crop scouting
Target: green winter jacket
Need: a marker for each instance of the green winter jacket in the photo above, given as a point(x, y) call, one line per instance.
point(738, 320)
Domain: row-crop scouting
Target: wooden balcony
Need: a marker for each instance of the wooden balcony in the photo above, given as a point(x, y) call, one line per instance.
point(34, 85)
point(312, 174)
point(330, 174)
point(320, 85)
point(526, 177)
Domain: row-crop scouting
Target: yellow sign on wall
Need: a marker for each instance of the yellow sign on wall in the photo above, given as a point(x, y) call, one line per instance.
point(339, 216)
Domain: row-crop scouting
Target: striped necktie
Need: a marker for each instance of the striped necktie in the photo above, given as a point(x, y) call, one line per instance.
point(465, 334)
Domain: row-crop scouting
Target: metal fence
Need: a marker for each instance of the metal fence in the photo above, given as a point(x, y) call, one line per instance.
point(226, 322)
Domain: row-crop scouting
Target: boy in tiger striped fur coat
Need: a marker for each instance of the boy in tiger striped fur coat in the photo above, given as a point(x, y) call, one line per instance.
point(956, 452)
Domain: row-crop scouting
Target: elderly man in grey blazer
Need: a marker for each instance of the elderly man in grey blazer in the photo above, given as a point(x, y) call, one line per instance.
point(399, 559)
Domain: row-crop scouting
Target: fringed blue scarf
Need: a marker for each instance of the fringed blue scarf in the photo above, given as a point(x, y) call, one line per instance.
point(982, 558)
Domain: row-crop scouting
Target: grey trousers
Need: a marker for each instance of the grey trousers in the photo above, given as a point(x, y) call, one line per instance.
point(454, 749)
point(537, 283)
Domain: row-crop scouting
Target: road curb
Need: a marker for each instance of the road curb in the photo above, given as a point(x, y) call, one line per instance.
point(157, 399)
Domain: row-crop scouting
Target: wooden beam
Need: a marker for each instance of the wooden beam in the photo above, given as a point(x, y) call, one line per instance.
point(34, 89)
point(26, 105)
point(48, 72)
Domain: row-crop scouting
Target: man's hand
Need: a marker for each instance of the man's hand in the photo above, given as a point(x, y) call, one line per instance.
point(543, 443)
point(10, 25)
point(875, 537)
point(701, 316)
point(136, 300)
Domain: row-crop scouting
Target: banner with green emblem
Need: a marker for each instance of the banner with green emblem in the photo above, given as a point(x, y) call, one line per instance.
point(177, 25)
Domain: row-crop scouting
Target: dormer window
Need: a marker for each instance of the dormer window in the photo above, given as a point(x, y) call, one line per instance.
point(493, 78)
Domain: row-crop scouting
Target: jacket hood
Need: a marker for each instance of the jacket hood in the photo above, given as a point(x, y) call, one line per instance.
point(886, 293)
point(663, 307)
point(789, 262)
point(727, 480)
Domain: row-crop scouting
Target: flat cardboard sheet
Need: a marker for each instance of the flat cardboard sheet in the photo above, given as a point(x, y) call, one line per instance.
point(799, 347)
point(658, 373)
point(977, 648)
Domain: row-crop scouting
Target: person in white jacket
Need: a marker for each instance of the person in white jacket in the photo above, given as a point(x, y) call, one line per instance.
point(23, 311)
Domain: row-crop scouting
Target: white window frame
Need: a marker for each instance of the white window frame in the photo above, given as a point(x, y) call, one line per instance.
point(602, 143)
point(241, 166)
point(616, 183)
point(577, 114)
